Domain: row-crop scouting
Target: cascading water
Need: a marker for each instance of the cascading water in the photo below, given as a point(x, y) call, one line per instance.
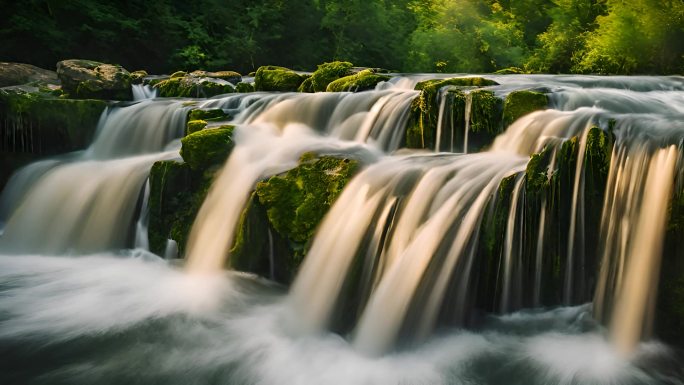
point(418, 247)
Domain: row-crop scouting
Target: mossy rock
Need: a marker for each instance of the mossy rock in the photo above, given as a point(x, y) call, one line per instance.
point(208, 114)
point(362, 81)
point(296, 201)
point(485, 115)
point(194, 126)
point(510, 71)
point(325, 74)
point(176, 195)
point(273, 78)
point(137, 77)
point(178, 74)
point(192, 87)
point(229, 76)
point(521, 103)
point(243, 87)
point(206, 148)
point(39, 123)
point(86, 79)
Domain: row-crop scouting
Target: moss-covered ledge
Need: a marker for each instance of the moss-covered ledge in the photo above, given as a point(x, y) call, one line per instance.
point(36, 124)
point(283, 213)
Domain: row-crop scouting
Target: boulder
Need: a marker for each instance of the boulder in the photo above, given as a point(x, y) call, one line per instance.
point(325, 74)
point(362, 81)
point(272, 78)
point(207, 147)
point(85, 79)
point(189, 86)
point(521, 103)
point(422, 126)
point(229, 76)
point(289, 207)
point(12, 74)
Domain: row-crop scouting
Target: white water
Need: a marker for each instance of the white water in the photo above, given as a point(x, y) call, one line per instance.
point(135, 319)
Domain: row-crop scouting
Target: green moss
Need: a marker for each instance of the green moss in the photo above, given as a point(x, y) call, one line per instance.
point(272, 78)
point(510, 71)
point(176, 195)
point(41, 124)
point(435, 84)
point(191, 87)
point(178, 74)
point(244, 87)
point(485, 114)
point(138, 76)
point(327, 73)
point(296, 201)
point(306, 86)
point(485, 117)
point(537, 173)
point(520, 103)
point(206, 148)
point(194, 126)
point(364, 80)
point(211, 114)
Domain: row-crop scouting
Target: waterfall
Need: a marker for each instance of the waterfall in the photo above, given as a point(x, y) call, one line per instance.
point(418, 242)
point(87, 202)
point(274, 131)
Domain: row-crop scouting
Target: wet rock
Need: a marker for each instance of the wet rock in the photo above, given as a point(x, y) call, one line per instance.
point(273, 78)
point(362, 81)
point(208, 147)
point(521, 103)
point(12, 74)
point(325, 74)
point(290, 206)
point(86, 79)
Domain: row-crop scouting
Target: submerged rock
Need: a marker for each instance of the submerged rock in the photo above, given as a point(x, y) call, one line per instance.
point(12, 74)
point(86, 79)
point(362, 81)
point(273, 78)
point(325, 74)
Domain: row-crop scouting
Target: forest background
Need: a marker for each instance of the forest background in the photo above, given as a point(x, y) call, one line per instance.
point(537, 36)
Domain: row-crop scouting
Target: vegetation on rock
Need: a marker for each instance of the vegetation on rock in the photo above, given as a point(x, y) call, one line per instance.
point(273, 78)
point(205, 148)
point(521, 103)
point(362, 81)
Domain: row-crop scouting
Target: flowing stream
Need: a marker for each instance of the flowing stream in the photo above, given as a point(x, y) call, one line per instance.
point(431, 267)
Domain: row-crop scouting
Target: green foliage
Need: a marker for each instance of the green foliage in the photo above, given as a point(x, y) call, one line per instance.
point(274, 78)
point(520, 103)
point(206, 148)
point(640, 36)
point(602, 36)
point(362, 81)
